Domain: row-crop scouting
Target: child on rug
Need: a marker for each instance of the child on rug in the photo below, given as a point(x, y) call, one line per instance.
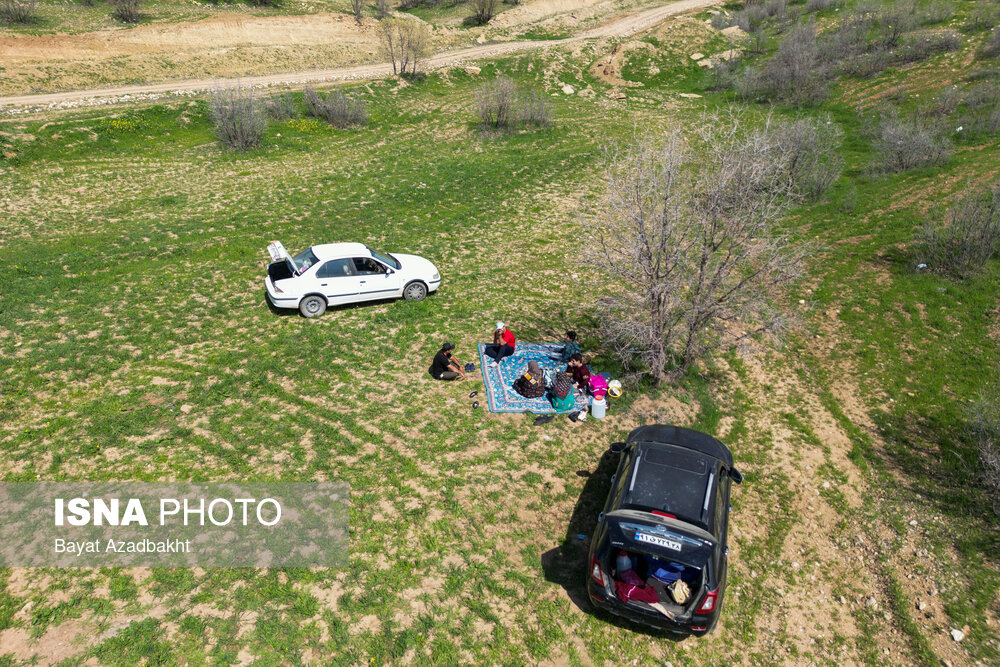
point(579, 371)
point(503, 344)
point(571, 347)
point(562, 393)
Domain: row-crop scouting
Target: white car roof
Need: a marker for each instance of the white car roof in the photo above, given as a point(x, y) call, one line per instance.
point(327, 251)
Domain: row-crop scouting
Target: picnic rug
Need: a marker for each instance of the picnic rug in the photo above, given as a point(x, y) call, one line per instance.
point(499, 379)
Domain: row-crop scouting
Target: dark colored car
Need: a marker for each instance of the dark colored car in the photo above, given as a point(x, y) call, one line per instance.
point(668, 515)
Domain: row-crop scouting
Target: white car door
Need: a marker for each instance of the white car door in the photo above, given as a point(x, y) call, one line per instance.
point(376, 280)
point(336, 279)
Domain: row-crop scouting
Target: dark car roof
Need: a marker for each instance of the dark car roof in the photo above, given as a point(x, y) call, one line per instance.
point(675, 480)
point(683, 437)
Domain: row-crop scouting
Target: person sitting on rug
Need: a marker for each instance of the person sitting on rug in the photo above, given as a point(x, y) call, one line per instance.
point(579, 371)
point(571, 347)
point(503, 344)
point(444, 366)
point(531, 385)
point(562, 393)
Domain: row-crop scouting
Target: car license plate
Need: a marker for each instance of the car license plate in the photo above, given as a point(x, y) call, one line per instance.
point(658, 541)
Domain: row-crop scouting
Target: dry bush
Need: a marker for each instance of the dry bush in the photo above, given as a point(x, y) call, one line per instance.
point(991, 48)
point(751, 18)
point(984, 17)
point(336, 108)
point(946, 102)
point(685, 233)
point(893, 20)
point(126, 11)
point(907, 143)
point(809, 148)
point(937, 11)
point(484, 10)
point(822, 5)
point(923, 46)
point(382, 9)
point(984, 429)
point(721, 21)
point(496, 103)
point(281, 107)
point(357, 9)
point(501, 105)
point(238, 117)
point(795, 74)
point(969, 237)
point(405, 42)
point(535, 109)
point(265, 3)
point(18, 11)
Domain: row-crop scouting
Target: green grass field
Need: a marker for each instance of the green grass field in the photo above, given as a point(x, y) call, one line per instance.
point(136, 344)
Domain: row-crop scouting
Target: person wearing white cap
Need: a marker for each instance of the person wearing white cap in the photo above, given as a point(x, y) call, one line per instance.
point(503, 343)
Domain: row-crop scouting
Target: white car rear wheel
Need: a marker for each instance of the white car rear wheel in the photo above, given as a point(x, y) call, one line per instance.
point(415, 291)
point(312, 306)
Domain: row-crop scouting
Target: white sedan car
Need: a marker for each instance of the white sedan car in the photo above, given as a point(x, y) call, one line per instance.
point(336, 273)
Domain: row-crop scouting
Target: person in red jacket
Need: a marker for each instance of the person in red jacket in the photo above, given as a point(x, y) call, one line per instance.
point(503, 344)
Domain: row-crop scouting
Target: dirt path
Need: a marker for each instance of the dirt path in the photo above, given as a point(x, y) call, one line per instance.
point(620, 27)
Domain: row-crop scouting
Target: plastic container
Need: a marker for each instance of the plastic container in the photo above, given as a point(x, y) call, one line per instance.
point(598, 407)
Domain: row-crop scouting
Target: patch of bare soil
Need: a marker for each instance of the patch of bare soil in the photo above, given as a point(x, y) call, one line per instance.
point(609, 67)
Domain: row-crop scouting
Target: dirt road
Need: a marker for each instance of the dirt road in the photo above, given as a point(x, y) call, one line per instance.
point(620, 27)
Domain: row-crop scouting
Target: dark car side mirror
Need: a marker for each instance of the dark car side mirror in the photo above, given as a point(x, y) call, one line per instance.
point(736, 475)
point(617, 447)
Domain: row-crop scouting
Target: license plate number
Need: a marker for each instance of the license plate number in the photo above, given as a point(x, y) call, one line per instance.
point(658, 541)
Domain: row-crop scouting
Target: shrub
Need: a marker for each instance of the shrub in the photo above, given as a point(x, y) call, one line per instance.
point(265, 3)
point(794, 73)
point(405, 42)
point(810, 152)
point(935, 12)
point(501, 105)
point(991, 49)
point(535, 109)
point(336, 108)
point(984, 429)
point(850, 39)
point(281, 107)
point(751, 18)
point(903, 144)
point(484, 10)
point(721, 21)
point(776, 8)
point(126, 11)
point(238, 118)
point(822, 5)
point(750, 84)
point(495, 103)
point(969, 237)
point(985, 17)
point(946, 102)
point(894, 20)
point(923, 46)
point(18, 11)
point(382, 9)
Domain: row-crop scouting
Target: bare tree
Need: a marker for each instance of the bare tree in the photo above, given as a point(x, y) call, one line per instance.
point(686, 234)
point(405, 42)
point(496, 103)
point(484, 10)
point(357, 7)
point(381, 9)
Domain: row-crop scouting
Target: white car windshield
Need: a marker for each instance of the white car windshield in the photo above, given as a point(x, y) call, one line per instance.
point(385, 258)
point(304, 260)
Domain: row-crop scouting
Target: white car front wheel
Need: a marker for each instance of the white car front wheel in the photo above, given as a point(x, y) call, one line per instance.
point(312, 306)
point(415, 291)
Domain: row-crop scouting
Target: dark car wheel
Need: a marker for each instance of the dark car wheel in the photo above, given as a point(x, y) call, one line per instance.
point(312, 306)
point(415, 291)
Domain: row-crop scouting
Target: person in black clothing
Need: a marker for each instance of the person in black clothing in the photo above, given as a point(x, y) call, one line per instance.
point(444, 366)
